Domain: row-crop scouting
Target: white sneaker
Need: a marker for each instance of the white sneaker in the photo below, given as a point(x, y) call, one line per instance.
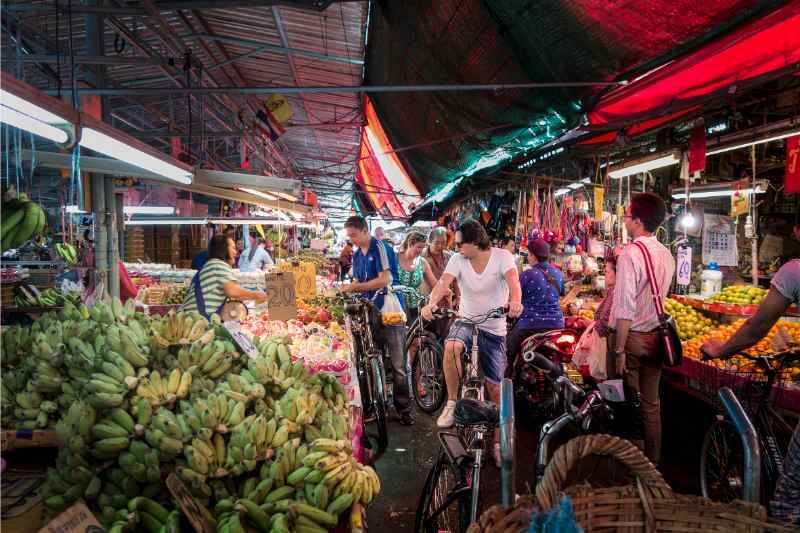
point(447, 418)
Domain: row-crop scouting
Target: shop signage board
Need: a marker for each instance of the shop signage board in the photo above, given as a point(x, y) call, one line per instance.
point(76, 519)
point(191, 508)
point(281, 296)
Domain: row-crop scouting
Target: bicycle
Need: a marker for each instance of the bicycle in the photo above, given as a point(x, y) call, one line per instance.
point(450, 499)
point(427, 370)
point(369, 363)
point(742, 454)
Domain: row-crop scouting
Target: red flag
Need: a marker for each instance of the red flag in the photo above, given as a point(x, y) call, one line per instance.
point(697, 149)
point(792, 181)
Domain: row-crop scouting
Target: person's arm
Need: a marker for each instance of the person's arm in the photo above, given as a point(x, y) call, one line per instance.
point(753, 330)
point(624, 306)
point(440, 289)
point(514, 292)
point(427, 273)
point(232, 290)
point(374, 284)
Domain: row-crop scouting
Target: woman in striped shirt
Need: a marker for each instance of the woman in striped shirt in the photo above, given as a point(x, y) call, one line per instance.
point(217, 281)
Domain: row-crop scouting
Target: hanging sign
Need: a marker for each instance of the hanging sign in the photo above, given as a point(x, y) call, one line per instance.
point(740, 202)
point(792, 179)
point(281, 299)
point(683, 268)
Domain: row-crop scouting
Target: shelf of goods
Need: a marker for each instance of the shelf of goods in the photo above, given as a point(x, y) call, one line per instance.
point(135, 399)
point(732, 308)
point(704, 378)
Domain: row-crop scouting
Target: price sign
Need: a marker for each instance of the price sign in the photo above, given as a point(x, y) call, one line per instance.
point(194, 511)
point(239, 337)
point(684, 265)
point(281, 300)
point(76, 519)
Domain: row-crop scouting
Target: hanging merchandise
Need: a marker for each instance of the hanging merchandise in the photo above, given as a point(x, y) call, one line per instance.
point(719, 240)
point(740, 201)
point(792, 178)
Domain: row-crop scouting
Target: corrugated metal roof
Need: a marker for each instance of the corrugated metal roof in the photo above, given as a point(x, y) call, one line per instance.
point(214, 36)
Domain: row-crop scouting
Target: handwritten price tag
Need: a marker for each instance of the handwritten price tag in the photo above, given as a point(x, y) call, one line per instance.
point(76, 519)
point(239, 337)
point(281, 299)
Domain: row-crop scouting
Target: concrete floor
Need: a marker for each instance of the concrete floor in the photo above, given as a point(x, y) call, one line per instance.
point(412, 451)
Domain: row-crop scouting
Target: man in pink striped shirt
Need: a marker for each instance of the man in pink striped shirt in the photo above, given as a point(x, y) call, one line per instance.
point(634, 347)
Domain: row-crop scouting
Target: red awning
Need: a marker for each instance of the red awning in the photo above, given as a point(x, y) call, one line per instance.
point(764, 46)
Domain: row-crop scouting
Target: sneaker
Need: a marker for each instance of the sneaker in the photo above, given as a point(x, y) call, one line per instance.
point(447, 418)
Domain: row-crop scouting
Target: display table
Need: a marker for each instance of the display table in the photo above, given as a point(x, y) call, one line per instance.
point(704, 380)
point(726, 308)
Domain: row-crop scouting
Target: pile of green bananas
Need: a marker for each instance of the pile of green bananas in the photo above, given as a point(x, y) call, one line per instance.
point(67, 252)
point(29, 296)
point(22, 219)
point(260, 442)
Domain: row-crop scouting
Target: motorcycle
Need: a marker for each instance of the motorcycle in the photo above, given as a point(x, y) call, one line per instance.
point(535, 396)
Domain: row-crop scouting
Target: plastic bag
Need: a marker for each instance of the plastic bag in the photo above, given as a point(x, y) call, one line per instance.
point(592, 351)
point(392, 313)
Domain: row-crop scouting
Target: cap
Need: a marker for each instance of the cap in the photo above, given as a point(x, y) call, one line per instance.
point(539, 248)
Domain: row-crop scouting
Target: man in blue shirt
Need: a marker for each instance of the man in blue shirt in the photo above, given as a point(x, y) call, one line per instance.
point(542, 285)
point(254, 258)
point(374, 268)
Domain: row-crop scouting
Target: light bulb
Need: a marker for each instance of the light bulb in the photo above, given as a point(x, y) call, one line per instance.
point(687, 221)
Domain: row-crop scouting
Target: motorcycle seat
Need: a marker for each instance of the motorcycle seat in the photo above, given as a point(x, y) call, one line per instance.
point(476, 413)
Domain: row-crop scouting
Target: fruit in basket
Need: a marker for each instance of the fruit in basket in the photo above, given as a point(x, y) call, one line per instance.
point(690, 322)
point(740, 294)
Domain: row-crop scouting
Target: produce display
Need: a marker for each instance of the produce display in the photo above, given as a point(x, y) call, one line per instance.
point(332, 305)
point(790, 331)
point(22, 219)
point(691, 323)
point(163, 294)
point(312, 256)
point(740, 294)
point(260, 442)
point(26, 295)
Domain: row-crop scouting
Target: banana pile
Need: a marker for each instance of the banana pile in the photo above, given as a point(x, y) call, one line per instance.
point(260, 442)
point(22, 219)
point(29, 296)
point(67, 252)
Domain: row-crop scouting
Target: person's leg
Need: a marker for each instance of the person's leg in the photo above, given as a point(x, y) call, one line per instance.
point(632, 427)
point(459, 339)
point(395, 338)
point(649, 380)
point(492, 350)
point(513, 342)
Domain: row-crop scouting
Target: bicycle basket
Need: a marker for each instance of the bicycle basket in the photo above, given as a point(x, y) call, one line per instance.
point(744, 378)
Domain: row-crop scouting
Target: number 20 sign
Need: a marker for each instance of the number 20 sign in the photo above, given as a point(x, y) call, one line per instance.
point(281, 296)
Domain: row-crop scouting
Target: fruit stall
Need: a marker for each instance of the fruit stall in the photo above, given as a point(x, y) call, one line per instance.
point(150, 410)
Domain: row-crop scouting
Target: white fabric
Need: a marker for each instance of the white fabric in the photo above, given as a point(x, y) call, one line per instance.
point(633, 299)
point(480, 293)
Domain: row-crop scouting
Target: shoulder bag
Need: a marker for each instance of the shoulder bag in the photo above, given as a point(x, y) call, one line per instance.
point(668, 331)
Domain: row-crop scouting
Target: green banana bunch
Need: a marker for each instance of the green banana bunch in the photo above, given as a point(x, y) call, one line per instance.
point(22, 219)
point(67, 252)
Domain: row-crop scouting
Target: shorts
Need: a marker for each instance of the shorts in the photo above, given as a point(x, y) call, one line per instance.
point(491, 349)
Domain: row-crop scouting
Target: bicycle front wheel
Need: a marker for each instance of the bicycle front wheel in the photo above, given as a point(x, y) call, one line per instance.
point(427, 375)
point(722, 463)
point(378, 384)
point(440, 508)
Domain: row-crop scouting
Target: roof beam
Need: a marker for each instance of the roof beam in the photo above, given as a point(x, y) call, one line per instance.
point(260, 46)
point(169, 5)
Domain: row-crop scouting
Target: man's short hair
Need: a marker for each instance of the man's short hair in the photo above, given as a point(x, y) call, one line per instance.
point(472, 232)
point(357, 222)
point(649, 208)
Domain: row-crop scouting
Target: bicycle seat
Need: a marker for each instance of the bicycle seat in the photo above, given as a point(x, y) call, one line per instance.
point(475, 413)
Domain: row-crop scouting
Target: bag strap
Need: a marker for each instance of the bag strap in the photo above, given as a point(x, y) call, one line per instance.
point(648, 266)
point(550, 279)
point(201, 301)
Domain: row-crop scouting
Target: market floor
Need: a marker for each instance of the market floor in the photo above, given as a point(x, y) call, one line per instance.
point(412, 450)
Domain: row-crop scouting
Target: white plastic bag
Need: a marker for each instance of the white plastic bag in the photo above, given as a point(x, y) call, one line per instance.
point(392, 313)
point(592, 352)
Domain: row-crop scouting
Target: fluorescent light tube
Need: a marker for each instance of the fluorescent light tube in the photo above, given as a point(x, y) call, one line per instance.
point(751, 143)
point(561, 192)
point(716, 193)
point(285, 196)
point(107, 145)
point(73, 209)
point(652, 164)
point(242, 221)
point(25, 122)
point(265, 196)
point(576, 185)
point(148, 210)
point(165, 222)
point(25, 107)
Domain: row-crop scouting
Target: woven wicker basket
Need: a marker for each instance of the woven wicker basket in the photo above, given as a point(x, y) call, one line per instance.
point(648, 505)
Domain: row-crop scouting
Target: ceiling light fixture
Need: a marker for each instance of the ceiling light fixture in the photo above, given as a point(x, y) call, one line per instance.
point(264, 195)
point(286, 196)
point(148, 210)
point(74, 210)
point(562, 192)
point(718, 190)
point(103, 143)
point(644, 165)
point(737, 146)
point(12, 117)
point(248, 221)
point(177, 221)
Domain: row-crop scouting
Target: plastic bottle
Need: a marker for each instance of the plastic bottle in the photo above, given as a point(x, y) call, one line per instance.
point(711, 279)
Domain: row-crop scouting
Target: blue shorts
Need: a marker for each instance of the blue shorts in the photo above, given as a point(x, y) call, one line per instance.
point(491, 349)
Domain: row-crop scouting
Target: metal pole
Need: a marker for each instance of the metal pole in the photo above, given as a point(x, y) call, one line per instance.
point(507, 465)
point(166, 91)
point(100, 233)
point(113, 238)
point(751, 491)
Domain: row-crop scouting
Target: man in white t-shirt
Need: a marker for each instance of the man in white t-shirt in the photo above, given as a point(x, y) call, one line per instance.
point(487, 279)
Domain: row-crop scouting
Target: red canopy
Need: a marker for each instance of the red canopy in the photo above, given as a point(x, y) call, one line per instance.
point(764, 46)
